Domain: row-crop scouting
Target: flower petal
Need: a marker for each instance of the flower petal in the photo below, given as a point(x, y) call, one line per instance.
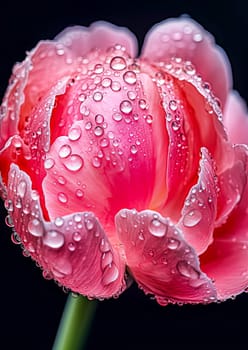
point(236, 118)
point(200, 208)
point(226, 259)
point(182, 37)
point(114, 135)
point(100, 35)
point(73, 249)
point(160, 260)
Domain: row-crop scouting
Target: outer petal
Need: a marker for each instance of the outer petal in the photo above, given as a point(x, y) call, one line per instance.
point(226, 260)
point(200, 208)
point(182, 37)
point(74, 249)
point(100, 35)
point(160, 259)
point(236, 118)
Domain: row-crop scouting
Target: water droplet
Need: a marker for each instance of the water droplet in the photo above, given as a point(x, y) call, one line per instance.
point(76, 236)
point(98, 96)
point(173, 105)
point(89, 223)
point(192, 218)
point(142, 104)
point(117, 117)
point(157, 228)
point(15, 238)
point(47, 275)
point(104, 142)
point(59, 221)
point(98, 68)
point(79, 193)
point(61, 180)
point(187, 270)
point(98, 131)
point(197, 37)
point(115, 86)
point(71, 247)
point(74, 162)
point(49, 163)
point(21, 188)
point(106, 82)
point(133, 149)
point(130, 77)
point(35, 227)
point(62, 197)
point(131, 95)
point(88, 126)
point(173, 243)
point(110, 274)
point(96, 162)
point(9, 221)
point(118, 63)
point(8, 205)
point(175, 125)
point(149, 119)
point(107, 259)
point(54, 239)
point(104, 246)
point(99, 118)
point(35, 195)
point(74, 133)
point(126, 107)
point(189, 68)
point(64, 151)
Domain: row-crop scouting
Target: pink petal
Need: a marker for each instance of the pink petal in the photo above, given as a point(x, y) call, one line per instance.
point(74, 249)
point(182, 37)
point(236, 118)
point(160, 260)
point(200, 208)
point(226, 260)
point(12, 101)
point(100, 35)
point(118, 136)
point(192, 114)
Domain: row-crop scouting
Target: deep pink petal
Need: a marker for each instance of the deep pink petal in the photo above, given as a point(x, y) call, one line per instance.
point(100, 35)
point(73, 249)
point(182, 37)
point(226, 260)
point(200, 208)
point(114, 134)
point(236, 118)
point(160, 260)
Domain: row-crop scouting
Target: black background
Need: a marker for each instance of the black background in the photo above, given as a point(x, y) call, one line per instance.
point(30, 306)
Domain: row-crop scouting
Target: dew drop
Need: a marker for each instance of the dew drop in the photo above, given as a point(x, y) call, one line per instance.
point(98, 131)
point(149, 119)
point(79, 193)
point(89, 223)
point(74, 133)
point(54, 239)
point(15, 238)
point(61, 180)
point(64, 151)
point(110, 274)
point(175, 125)
point(197, 37)
point(106, 82)
point(187, 270)
point(62, 197)
point(88, 126)
point(115, 86)
point(192, 218)
point(173, 243)
point(130, 77)
point(133, 149)
point(173, 105)
point(98, 68)
point(142, 104)
point(59, 221)
point(99, 118)
point(76, 236)
point(9, 221)
point(74, 162)
point(117, 117)
point(35, 227)
point(118, 63)
point(157, 228)
point(98, 96)
point(96, 162)
point(21, 188)
point(49, 163)
point(126, 107)
point(71, 247)
point(131, 95)
point(104, 142)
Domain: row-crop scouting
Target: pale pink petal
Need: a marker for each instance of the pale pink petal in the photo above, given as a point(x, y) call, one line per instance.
point(100, 35)
point(236, 118)
point(182, 37)
point(200, 208)
point(226, 260)
point(103, 142)
point(73, 249)
point(160, 260)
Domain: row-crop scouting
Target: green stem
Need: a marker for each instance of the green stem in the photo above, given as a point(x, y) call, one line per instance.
point(75, 323)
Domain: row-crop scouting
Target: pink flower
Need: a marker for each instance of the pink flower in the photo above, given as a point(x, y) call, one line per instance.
point(116, 168)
